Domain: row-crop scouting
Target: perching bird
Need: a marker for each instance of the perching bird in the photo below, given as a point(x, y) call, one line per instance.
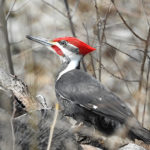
point(83, 97)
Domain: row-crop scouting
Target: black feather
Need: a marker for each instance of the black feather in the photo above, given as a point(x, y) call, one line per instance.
point(86, 99)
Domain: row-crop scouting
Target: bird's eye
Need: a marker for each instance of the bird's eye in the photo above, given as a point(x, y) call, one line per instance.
point(63, 42)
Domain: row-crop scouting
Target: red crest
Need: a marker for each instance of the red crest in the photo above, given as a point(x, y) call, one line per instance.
point(83, 47)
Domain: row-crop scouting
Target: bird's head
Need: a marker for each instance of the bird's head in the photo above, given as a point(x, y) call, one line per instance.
point(65, 46)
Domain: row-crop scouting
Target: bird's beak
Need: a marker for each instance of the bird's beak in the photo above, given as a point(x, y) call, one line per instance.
point(42, 41)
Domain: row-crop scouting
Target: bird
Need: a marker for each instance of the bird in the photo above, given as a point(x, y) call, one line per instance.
point(83, 97)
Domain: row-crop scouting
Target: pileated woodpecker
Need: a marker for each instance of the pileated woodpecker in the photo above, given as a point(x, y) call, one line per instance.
point(83, 97)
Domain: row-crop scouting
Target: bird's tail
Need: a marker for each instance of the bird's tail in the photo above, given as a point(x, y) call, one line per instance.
point(140, 133)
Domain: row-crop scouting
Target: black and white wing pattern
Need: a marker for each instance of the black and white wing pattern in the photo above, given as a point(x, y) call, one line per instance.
point(82, 89)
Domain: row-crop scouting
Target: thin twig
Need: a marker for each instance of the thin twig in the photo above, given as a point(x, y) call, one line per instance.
point(142, 69)
point(88, 41)
point(121, 51)
point(127, 80)
point(12, 125)
point(48, 4)
point(126, 24)
point(142, 52)
point(70, 18)
point(6, 40)
point(144, 59)
point(98, 37)
point(75, 7)
point(121, 74)
point(21, 7)
point(145, 13)
point(72, 28)
point(146, 97)
point(53, 126)
point(10, 9)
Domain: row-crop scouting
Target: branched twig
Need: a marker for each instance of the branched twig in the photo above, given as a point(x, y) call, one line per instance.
point(20, 7)
point(10, 9)
point(19, 89)
point(142, 52)
point(126, 24)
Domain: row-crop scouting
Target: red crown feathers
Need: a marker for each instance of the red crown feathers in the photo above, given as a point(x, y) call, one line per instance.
point(83, 47)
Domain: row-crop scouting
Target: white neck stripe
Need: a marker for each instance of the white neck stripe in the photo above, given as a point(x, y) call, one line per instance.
point(72, 65)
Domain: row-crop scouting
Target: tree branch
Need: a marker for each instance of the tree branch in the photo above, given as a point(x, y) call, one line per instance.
point(48, 4)
point(126, 24)
point(19, 89)
point(10, 9)
point(5, 39)
point(70, 18)
point(146, 93)
point(144, 59)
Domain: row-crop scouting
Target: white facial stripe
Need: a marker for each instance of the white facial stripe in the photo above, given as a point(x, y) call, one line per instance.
point(74, 58)
point(65, 51)
point(74, 62)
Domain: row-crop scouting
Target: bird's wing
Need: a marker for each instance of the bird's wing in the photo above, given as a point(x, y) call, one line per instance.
point(84, 90)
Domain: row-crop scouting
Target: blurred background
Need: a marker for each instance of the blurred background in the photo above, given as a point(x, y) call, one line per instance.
point(119, 30)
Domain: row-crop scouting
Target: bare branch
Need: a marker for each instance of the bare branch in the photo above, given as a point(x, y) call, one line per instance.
point(5, 37)
point(146, 97)
point(72, 28)
point(92, 61)
point(10, 9)
point(21, 6)
point(127, 80)
point(100, 38)
point(48, 4)
point(19, 89)
point(126, 24)
point(75, 7)
point(70, 18)
point(142, 52)
point(145, 13)
point(122, 75)
point(121, 51)
point(144, 59)
point(142, 69)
